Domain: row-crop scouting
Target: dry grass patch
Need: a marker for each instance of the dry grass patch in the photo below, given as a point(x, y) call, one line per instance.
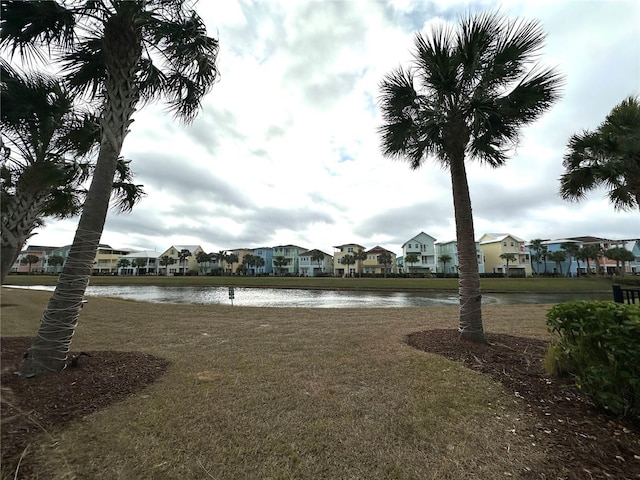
point(287, 393)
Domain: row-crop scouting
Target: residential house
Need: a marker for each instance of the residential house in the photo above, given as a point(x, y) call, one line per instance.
point(450, 248)
point(312, 268)
point(372, 265)
point(493, 245)
point(189, 264)
point(291, 254)
point(106, 260)
point(62, 252)
point(423, 246)
point(21, 265)
point(145, 262)
point(340, 251)
point(266, 253)
point(241, 253)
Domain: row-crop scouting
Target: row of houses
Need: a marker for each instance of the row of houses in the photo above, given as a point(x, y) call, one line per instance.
point(497, 253)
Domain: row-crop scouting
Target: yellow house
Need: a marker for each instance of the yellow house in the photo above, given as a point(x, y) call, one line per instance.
point(180, 266)
point(241, 253)
point(493, 245)
point(106, 260)
point(372, 263)
point(339, 253)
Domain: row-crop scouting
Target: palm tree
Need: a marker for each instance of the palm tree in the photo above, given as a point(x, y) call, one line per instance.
point(558, 257)
point(182, 258)
point(165, 261)
point(445, 259)
point(119, 53)
point(536, 246)
point(220, 258)
point(348, 260)
point(467, 94)
point(572, 250)
point(589, 252)
point(280, 261)
point(201, 258)
point(607, 157)
point(30, 260)
point(385, 259)
point(41, 129)
point(259, 263)
point(620, 255)
point(411, 258)
point(508, 257)
point(55, 261)
point(124, 263)
point(360, 255)
point(318, 256)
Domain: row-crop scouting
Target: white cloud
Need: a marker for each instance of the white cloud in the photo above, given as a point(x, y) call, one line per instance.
point(286, 149)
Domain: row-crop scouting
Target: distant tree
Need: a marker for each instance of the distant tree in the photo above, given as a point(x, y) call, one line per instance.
point(279, 261)
point(165, 261)
point(55, 261)
point(544, 253)
point(182, 258)
point(249, 261)
point(348, 260)
point(201, 258)
point(411, 259)
point(220, 258)
point(591, 252)
point(558, 257)
point(508, 258)
point(607, 156)
point(621, 256)
point(124, 263)
point(445, 259)
point(259, 263)
point(318, 256)
point(360, 256)
point(30, 259)
point(572, 249)
point(231, 259)
point(537, 247)
point(385, 260)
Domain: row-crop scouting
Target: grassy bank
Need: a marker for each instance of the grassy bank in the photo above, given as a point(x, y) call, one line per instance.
point(287, 393)
point(533, 285)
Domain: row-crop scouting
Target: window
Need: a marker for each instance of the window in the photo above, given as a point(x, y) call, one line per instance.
point(504, 244)
point(350, 249)
point(513, 244)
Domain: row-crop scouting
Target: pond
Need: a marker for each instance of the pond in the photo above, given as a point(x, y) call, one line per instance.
point(279, 297)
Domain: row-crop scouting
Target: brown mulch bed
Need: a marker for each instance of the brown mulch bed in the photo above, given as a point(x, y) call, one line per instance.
point(31, 406)
point(582, 443)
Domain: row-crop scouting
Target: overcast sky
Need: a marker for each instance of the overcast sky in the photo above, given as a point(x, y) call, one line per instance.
point(286, 150)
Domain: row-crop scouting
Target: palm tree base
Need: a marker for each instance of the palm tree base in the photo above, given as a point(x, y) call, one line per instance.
point(474, 336)
point(38, 362)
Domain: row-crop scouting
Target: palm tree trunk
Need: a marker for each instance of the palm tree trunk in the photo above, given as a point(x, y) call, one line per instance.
point(469, 278)
point(22, 217)
point(122, 46)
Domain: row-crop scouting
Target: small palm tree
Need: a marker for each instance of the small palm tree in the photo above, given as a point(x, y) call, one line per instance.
point(536, 246)
point(508, 258)
point(259, 263)
point(385, 260)
point(124, 263)
point(182, 259)
point(558, 257)
point(467, 94)
point(119, 53)
point(607, 156)
point(571, 249)
point(30, 260)
point(621, 256)
point(348, 260)
point(411, 259)
point(318, 256)
point(231, 259)
point(279, 262)
point(201, 258)
point(360, 256)
point(55, 261)
point(165, 261)
point(445, 259)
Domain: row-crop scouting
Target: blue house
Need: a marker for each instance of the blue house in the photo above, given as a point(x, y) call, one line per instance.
point(266, 253)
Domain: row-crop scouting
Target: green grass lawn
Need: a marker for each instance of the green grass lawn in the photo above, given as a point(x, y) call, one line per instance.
point(533, 285)
point(284, 393)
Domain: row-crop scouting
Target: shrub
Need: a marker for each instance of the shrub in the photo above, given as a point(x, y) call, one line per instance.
point(599, 346)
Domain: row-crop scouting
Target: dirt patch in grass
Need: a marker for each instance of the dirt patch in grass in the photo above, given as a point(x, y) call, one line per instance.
point(33, 406)
point(582, 442)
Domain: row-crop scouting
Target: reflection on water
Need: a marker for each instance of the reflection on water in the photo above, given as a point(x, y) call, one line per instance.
point(278, 297)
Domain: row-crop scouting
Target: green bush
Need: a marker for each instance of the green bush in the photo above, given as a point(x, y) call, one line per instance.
point(599, 345)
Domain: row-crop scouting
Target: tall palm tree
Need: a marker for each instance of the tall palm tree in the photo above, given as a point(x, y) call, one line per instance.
point(360, 256)
point(165, 261)
point(118, 53)
point(572, 250)
point(508, 258)
point(46, 141)
point(411, 258)
point(445, 259)
point(466, 95)
point(608, 156)
point(348, 260)
point(280, 261)
point(182, 258)
point(558, 257)
point(385, 260)
point(318, 256)
point(536, 246)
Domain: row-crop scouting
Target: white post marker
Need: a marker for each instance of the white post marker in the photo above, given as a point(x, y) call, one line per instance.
point(232, 294)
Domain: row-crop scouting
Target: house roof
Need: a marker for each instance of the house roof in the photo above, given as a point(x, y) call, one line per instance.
point(499, 237)
point(415, 238)
point(379, 249)
point(310, 252)
point(191, 248)
point(142, 254)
